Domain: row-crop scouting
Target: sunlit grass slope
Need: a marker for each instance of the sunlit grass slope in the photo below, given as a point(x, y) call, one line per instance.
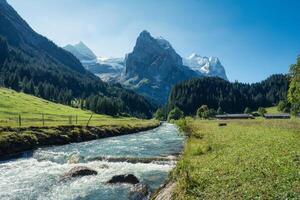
point(32, 111)
point(272, 110)
point(247, 159)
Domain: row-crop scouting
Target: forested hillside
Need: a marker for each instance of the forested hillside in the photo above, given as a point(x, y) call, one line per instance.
point(31, 63)
point(230, 97)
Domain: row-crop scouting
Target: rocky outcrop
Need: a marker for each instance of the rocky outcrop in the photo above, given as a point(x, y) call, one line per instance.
point(126, 178)
point(139, 192)
point(79, 172)
point(165, 192)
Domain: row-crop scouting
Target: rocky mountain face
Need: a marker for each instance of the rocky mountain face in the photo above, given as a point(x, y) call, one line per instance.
point(207, 66)
point(151, 69)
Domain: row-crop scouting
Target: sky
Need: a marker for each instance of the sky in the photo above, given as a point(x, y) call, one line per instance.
point(252, 38)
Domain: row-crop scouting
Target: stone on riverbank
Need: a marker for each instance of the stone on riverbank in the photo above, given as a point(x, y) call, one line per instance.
point(139, 192)
point(126, 178)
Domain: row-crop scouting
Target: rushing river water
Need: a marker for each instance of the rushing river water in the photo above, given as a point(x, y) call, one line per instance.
point(37, 175)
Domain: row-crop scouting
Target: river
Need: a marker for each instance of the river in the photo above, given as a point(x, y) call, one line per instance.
point(38, 174)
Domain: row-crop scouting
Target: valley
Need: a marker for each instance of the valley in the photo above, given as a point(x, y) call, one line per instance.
point(149, 122)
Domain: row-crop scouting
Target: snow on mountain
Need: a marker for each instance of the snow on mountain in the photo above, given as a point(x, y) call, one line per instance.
point(207, 66)
point(105, 68)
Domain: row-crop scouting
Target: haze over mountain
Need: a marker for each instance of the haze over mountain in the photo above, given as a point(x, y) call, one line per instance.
point(152, 68)
point(31, 63)
point(81, 51)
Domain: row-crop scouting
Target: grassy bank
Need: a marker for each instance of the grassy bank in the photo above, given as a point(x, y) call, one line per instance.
point(46, 123)
point(16, 140)
point(247, 159)
point(35, 111)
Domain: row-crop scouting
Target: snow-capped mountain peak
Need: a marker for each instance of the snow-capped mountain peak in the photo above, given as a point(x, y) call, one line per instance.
point(208, 66)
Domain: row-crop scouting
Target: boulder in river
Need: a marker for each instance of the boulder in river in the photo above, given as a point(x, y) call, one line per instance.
point(126, 178)
point(139, 192)
point(79, 172)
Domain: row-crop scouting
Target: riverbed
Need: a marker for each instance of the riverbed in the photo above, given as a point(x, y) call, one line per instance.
point(38, 174)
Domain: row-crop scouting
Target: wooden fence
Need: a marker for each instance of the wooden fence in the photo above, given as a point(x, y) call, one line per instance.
point(41, 119)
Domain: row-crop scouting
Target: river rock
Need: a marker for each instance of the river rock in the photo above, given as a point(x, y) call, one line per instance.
point(139, 192)
point(79, 172)
point(126, 178)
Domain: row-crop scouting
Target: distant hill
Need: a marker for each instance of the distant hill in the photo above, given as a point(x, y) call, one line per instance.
point(230, 97)
point(31, 63)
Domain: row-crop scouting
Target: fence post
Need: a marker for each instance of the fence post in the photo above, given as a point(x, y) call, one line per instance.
point(76, 119)
point(89, 120)
point(20, 120)
point(43, 119)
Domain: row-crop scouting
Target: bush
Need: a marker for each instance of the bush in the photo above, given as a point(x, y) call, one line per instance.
point(284, 106)
point(247, 110)
point(202, 112)
point(175, 114)
point(205, 113)
point(160, 115)
point(220, 111)
point(262, 111)
point(295, 110)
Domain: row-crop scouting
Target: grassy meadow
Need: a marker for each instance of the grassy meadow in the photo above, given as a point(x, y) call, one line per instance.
point(33, 110)
point(247, 159)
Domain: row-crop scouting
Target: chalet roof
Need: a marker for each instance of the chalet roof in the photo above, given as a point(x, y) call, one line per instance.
point(234, 116)
point(277, 115)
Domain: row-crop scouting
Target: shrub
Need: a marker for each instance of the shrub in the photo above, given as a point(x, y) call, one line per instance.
point(262, 111)
point(220, 111)
point(205, 113)
point(247, 110)
point(295, 110)
point(284, 106)
point(175, 114)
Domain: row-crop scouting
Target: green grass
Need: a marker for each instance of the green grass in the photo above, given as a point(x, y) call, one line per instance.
point(31, 108)
point(272, 110)
point(247, 159)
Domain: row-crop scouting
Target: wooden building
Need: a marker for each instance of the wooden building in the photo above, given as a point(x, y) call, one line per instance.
point(235, 116)
point(277, 116)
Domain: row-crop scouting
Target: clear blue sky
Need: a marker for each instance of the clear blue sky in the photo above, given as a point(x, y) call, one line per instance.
point(252, 38)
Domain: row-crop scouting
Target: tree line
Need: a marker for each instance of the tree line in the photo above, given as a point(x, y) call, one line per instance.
point(219, 94)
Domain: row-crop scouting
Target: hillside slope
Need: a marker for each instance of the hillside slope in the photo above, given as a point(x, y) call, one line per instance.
point(31, 109)
point(31, 63)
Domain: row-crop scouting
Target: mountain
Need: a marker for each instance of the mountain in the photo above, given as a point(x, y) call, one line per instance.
point(153, 68)
point(230, 97)
point(81, 51)
point(31, 63)
point(105, 68)
point(207, 66)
